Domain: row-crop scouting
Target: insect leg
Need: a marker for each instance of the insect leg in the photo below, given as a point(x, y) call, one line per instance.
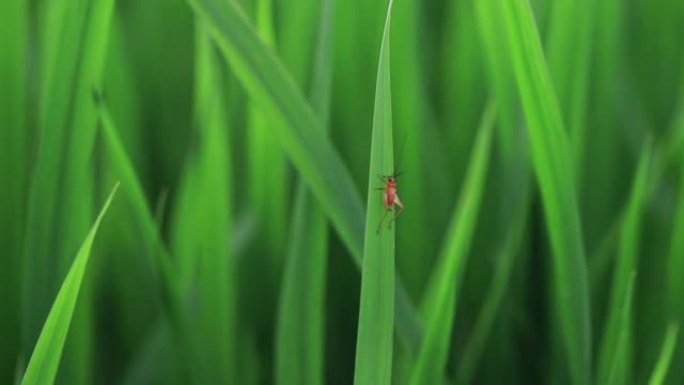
point(377, 231)
point(397, 202)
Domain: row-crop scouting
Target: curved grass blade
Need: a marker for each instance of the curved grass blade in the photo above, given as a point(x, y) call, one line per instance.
point(439, 303)
point(204, 227)
point(42, 367)
point(301, 315)
point(553, 165)
point(300, 133)
point(374, 343)
point(628, 248)
point(669, 344)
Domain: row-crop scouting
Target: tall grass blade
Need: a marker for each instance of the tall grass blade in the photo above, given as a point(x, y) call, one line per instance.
point(374, 343)
point(553, 167)
point(44, 362)
point(300, 325)
point(439, 303)
point(298, 23)
point(301, 316)
point(626, 263)
point(462, 72)
point(207, 224)
point(267, 179)
point(669, 343)
point(571, 30)
point(14, 167)
point(492, 34)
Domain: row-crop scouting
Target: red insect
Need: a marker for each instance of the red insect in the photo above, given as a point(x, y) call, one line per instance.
point(390, 198)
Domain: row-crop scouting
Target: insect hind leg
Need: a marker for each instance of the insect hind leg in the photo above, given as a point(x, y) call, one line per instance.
point(377, 231)
point(397, 202)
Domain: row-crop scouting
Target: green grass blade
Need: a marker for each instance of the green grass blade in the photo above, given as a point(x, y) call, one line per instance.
point(628, 249)
point(553, 164)
point(267, 178)
point(300, 133)
point(501, 77)
point(571, 30)
point(299, 354)
point(298, 24)
point(669, 343)
point(439, 304)
point(14, 167)
point(301, 315)
point(44, 362)
point(485, 321)
point(374, 343)
point(616, 361)
point(461, 75)
point(207, 222)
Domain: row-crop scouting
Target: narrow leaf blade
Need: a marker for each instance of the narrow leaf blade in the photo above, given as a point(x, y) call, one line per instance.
point(552, 163)
point(301, 312)
point(374, 342)
point(42, 367)
point(439, 304)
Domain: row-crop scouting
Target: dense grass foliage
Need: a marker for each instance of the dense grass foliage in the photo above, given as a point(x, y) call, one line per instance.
point(540, 151)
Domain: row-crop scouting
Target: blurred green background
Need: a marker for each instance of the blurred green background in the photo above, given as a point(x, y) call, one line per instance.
point(240, 133)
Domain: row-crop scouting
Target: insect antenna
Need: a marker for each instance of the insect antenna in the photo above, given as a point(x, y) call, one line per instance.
point(400, 157)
